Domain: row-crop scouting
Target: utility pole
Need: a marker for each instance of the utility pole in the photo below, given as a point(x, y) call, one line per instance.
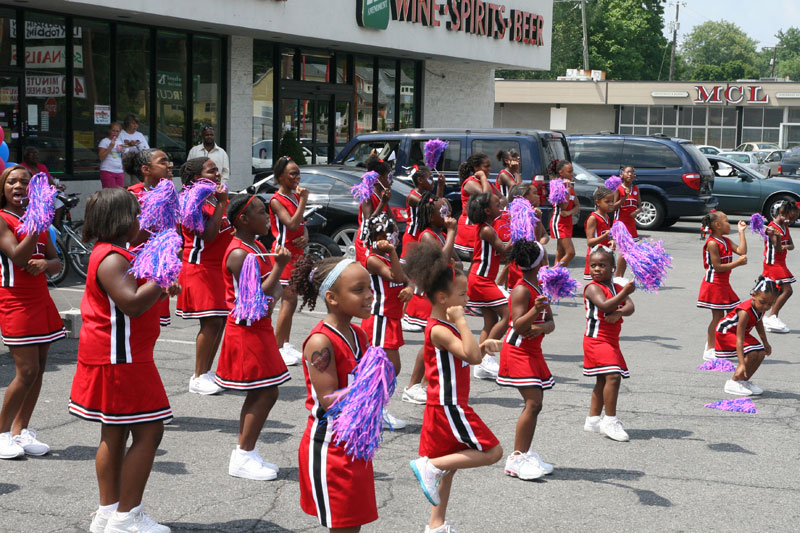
point(675, 26)
point(774, 57)
point(585, 37)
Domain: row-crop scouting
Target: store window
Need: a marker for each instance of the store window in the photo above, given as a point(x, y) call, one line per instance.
point(316, 66)
point(206, 85)
point(8, 35)
point(263, 104)
point(171, 96)
point(363, 95)
point(133, 76)
point(387, 76)
point(407, 94)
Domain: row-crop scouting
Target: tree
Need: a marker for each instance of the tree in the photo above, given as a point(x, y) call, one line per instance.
point(291, 147)
point(788, 60)
point(720, 48)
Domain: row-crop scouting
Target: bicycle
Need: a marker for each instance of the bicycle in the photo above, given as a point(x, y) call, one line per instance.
point(69, 245)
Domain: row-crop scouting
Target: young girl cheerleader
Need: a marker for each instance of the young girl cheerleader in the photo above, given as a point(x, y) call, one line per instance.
point(598, 224)
point(250, 360)
point(606, 303)
point(561, 219)
point(733, 337)
point(116, 381)
point(778, 242)
point(509, 175)
point(626, 207)
point(377, 203)
point(388, 282)
point(511, 273)
point(203, 293)
point(150, 166)
point(337, 489)
point(29, 320)
point(474, 176)
point(288, 227)
point(422, 177)
point(453, 437)
point(716, 292)
point(522, 363)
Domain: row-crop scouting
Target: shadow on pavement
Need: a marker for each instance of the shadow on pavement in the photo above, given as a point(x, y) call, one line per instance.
point(667, 434)
point(170, 467)
point(193, 424)
point(729, 447)
point(654, 339)
point(231, 525)
point(610, 477)
point(6, 488)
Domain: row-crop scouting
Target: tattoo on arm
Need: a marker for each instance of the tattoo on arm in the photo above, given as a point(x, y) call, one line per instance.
point(321, 359)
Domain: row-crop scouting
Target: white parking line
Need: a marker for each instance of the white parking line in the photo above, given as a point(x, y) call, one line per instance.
point(68, 289)
point(175, 341)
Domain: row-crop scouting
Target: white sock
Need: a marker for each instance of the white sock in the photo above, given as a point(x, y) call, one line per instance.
point(244, 452)
point(593, 419)
point(611, 418)
point(106, 509)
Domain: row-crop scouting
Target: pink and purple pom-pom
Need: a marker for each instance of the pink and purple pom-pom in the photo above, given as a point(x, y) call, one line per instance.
point(251, 302)
point(647, 259)
point(434, 149)
point(191, 202)
point(157, 260)
point(758, 224)
point(356, 414)
point(522, 220)
point(739, 405)
point(557, 284)
point(718, 365)
point(613, 182)
point(362, 191)
point(558, 192)
point(40, 210)
point(160, 208)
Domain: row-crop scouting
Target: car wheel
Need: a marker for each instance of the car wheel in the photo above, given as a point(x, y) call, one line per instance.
point(345, 239)
point(652, 215)
point(321, 246)
point(771, 208)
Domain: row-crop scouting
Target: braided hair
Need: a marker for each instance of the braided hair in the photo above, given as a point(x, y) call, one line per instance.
point(427, 203)
point(308, 275)
point(766, 285)
point(132, 162)
point(378, 224)
point(192, 168)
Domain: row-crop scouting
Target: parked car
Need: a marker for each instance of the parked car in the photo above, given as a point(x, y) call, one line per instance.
point(329, 187)
point(262, 155)
point(707, 149)
point(790, 163)
point(772, 159)
point(755, 147)
point(742, 190)
point(673, 176)
point(749, 159)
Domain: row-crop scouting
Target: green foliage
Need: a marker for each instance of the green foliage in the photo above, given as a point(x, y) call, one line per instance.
point(720, 50)
point(788, 61)
point(291, 146)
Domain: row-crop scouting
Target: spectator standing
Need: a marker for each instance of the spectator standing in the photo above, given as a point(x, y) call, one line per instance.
point(131, 140)
point(109, 151)
point(209, 148)
point(30, 160)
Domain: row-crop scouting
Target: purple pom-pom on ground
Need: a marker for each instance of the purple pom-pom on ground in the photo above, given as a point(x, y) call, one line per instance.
point(158, 259)
point(191, 202)
point(613, 182)
point(251, 302)
point(160, 209)
point(556, 283)
point(758, 224)
point(558, 192)
point(40, 210)
point(739, 405)
point(434, 149)
point(718, 365)
point(362, 191)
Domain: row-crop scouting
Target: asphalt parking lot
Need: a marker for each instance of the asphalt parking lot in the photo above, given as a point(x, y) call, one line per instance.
point(686, 467)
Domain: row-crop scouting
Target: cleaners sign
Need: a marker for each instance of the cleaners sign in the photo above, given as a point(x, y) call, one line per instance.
point(476, 17)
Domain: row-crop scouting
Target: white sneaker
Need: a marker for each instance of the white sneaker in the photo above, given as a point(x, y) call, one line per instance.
point(99, 521)
point(9, 449)
point(391, 421)
point(416, 394)
point(410, 326)
point(547, 467)
point(487, 369)
point(774, 324)
point(429, 478)
point(592, 424)
point(612, 428)
point(709, 354)
point(738, 388)
point(204, 384)
point(755, 389)
point(134, 521)
point(257, 455)
point(447, 527)
point(27, 439)
point(248, 466)
point(291, 355)
point(523, 467)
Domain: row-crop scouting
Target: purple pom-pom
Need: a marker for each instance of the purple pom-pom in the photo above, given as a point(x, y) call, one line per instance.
point(356, 415)
point(556, 283)
point(648, 260)
point(739, 405)
point(191, 202)
point(251, 302)
point(558, 192)
point(613, 182)
point(522, 220)
point(40, 210)
point(433, 152)
point(718, 365)
point(158, 260)
point(159, 207)
point(758, 224)
point(362, 191)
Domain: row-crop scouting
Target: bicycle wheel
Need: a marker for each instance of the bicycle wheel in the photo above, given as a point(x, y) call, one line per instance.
point(78, 251)
point(59, 276)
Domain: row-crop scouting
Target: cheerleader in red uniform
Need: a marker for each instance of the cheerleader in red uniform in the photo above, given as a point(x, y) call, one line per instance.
point(250, 360)
point(474, 176)
point(716, 292)
point(422, 177)
point(337, 489)
point(453, 437)
point(561, 219)
point(598, 224)
point(377, 203)
point(733, 337)
point(626, 207)
point(606, 303)
point(116, 381)
point(778, 243)
point(29, 320)
point(511, 273)
point(203, 293)
point(509, 175)
point(286, 208)
point(150, 166)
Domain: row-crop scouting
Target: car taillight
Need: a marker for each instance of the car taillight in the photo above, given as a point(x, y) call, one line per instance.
point(692, 180)
point(780, 169)
point(400, 214)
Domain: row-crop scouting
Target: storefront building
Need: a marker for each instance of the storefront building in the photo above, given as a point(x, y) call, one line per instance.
point(721, 114)
point(253, 69)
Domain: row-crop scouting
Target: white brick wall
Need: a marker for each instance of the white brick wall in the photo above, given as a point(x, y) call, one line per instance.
point(458, 95)
point(240, 111)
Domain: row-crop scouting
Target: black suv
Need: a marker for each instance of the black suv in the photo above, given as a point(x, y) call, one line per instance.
point(673, 176)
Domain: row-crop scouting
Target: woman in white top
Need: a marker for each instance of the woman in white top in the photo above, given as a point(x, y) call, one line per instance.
point(130, 138)
point(109, 152)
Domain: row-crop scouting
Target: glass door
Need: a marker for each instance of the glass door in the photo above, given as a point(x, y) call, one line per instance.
point(309, 122)
point(11, 115)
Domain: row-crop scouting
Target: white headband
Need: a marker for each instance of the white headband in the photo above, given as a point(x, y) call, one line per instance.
point(538, 259)
point(333, 275)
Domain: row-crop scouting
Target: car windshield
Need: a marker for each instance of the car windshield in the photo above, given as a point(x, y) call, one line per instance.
point(741, 158)
point(585, 176)
point(766, 146)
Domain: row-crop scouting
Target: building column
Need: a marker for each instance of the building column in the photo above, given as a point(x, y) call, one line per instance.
point(240, 111)
point(458, 95)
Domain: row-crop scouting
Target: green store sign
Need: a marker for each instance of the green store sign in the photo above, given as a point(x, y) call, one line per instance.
point(373, 14)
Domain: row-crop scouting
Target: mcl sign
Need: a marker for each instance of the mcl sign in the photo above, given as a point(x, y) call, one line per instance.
point(733, 94)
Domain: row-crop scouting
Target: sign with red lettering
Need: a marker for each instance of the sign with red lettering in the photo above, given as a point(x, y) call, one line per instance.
point(733, 94)
point(43, 86)
point(51, 107)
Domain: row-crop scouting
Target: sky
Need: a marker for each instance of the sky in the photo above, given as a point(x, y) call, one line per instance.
point(760, 19)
